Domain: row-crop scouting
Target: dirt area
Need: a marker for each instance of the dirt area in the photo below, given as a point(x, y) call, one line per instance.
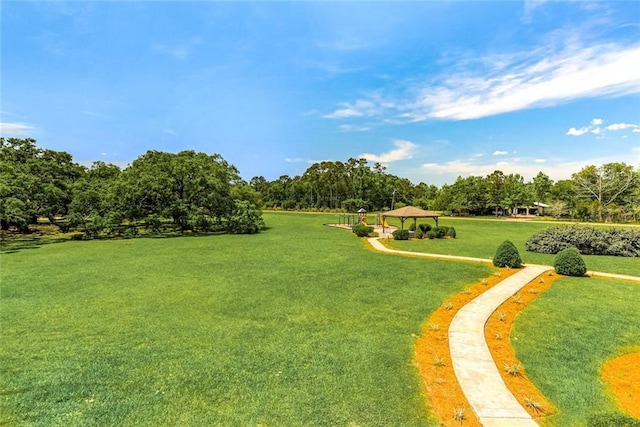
point(432, 358)
point(623, 378)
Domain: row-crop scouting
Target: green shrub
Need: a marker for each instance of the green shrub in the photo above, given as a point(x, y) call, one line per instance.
point(451, 232)
point(588, 240)
point(245, 218)
point(412, 226)
point(361, 230)
point(507, 255)
point(439, 232)
point(569, 263)
point(431, 234)
point(424, 228)
point(612, 420)
point(419, 234)
point(401, 235)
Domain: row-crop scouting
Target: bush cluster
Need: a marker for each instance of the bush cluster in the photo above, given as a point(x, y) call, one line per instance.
point(507, 255)
point(587, 240)
point(401, 234)
point(568, 262)
point(362, 230)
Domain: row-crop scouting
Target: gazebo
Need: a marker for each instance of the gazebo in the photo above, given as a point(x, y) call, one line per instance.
point(410, 212)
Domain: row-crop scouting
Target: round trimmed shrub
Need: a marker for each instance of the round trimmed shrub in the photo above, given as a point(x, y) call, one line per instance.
point(440, 231)
point(568, 262)
point(361, 230)
point(507, 255)
point(419, 234)
point(431, 234)
point(401, 235)
point(451, 232)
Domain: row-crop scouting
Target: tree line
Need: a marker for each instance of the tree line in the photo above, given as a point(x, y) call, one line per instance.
point(191, 191)
point(201, 192)
point(610, 192)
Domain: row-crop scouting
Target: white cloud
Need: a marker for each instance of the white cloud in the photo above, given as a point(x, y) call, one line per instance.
point(404, 150)
point(595, 131)
point(526, 80)
point(502, 164)
point(636, 130)
point(296, 160)
point(622, 126)
point(500, 153)
point(596, 122)
point(540, 160)
point(353, 128)
point(577, 132)
point(170, 132)
point(15, 129)
point(636, 149)
point(488, 85)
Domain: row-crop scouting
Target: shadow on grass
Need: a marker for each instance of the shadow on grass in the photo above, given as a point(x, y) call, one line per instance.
point(16, 244)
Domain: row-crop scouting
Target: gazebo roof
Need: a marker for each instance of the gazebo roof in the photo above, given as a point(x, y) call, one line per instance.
point(410, 212)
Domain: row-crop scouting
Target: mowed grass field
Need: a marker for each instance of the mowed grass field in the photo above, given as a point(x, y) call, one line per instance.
point(565, 335)
point(481, 237)
point(299, 325)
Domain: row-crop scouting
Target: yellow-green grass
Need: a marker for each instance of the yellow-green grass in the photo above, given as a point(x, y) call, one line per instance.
point(567, 333)
point(481, 237)
point(298, 325)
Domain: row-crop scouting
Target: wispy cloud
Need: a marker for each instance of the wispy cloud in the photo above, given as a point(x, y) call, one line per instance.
point(622, 126)
point(403, 150)
point(15, 129)
point(478, 87)
point(500, 153)
point(180, 51)
point(353, 128)
point(594, 128)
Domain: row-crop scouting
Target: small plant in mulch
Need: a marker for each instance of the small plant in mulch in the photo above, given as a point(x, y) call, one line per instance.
point(434, 327)
point(502, 317)
point(448, 306)
point(517, 299)
point(533, 405)
point(439, 362)
point(458, 414)
point(512, 369)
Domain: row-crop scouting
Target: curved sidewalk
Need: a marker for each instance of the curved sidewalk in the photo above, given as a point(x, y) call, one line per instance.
point(475, 369)
point(481, 383)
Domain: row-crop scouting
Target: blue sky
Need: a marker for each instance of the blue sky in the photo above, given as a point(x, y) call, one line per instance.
point(432, 90)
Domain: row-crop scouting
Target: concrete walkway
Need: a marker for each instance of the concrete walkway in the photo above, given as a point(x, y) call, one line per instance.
point(481, 383)
point(475, 369)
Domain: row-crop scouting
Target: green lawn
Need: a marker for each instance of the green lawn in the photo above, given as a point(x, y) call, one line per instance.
point(565, 336)
point(481, 237)
point(299, 325)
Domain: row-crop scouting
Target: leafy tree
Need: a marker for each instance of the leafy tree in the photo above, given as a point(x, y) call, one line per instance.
point(542, 186)
point(515, 192)
point(495, 189)
point(606, 185)
point(39, 179)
